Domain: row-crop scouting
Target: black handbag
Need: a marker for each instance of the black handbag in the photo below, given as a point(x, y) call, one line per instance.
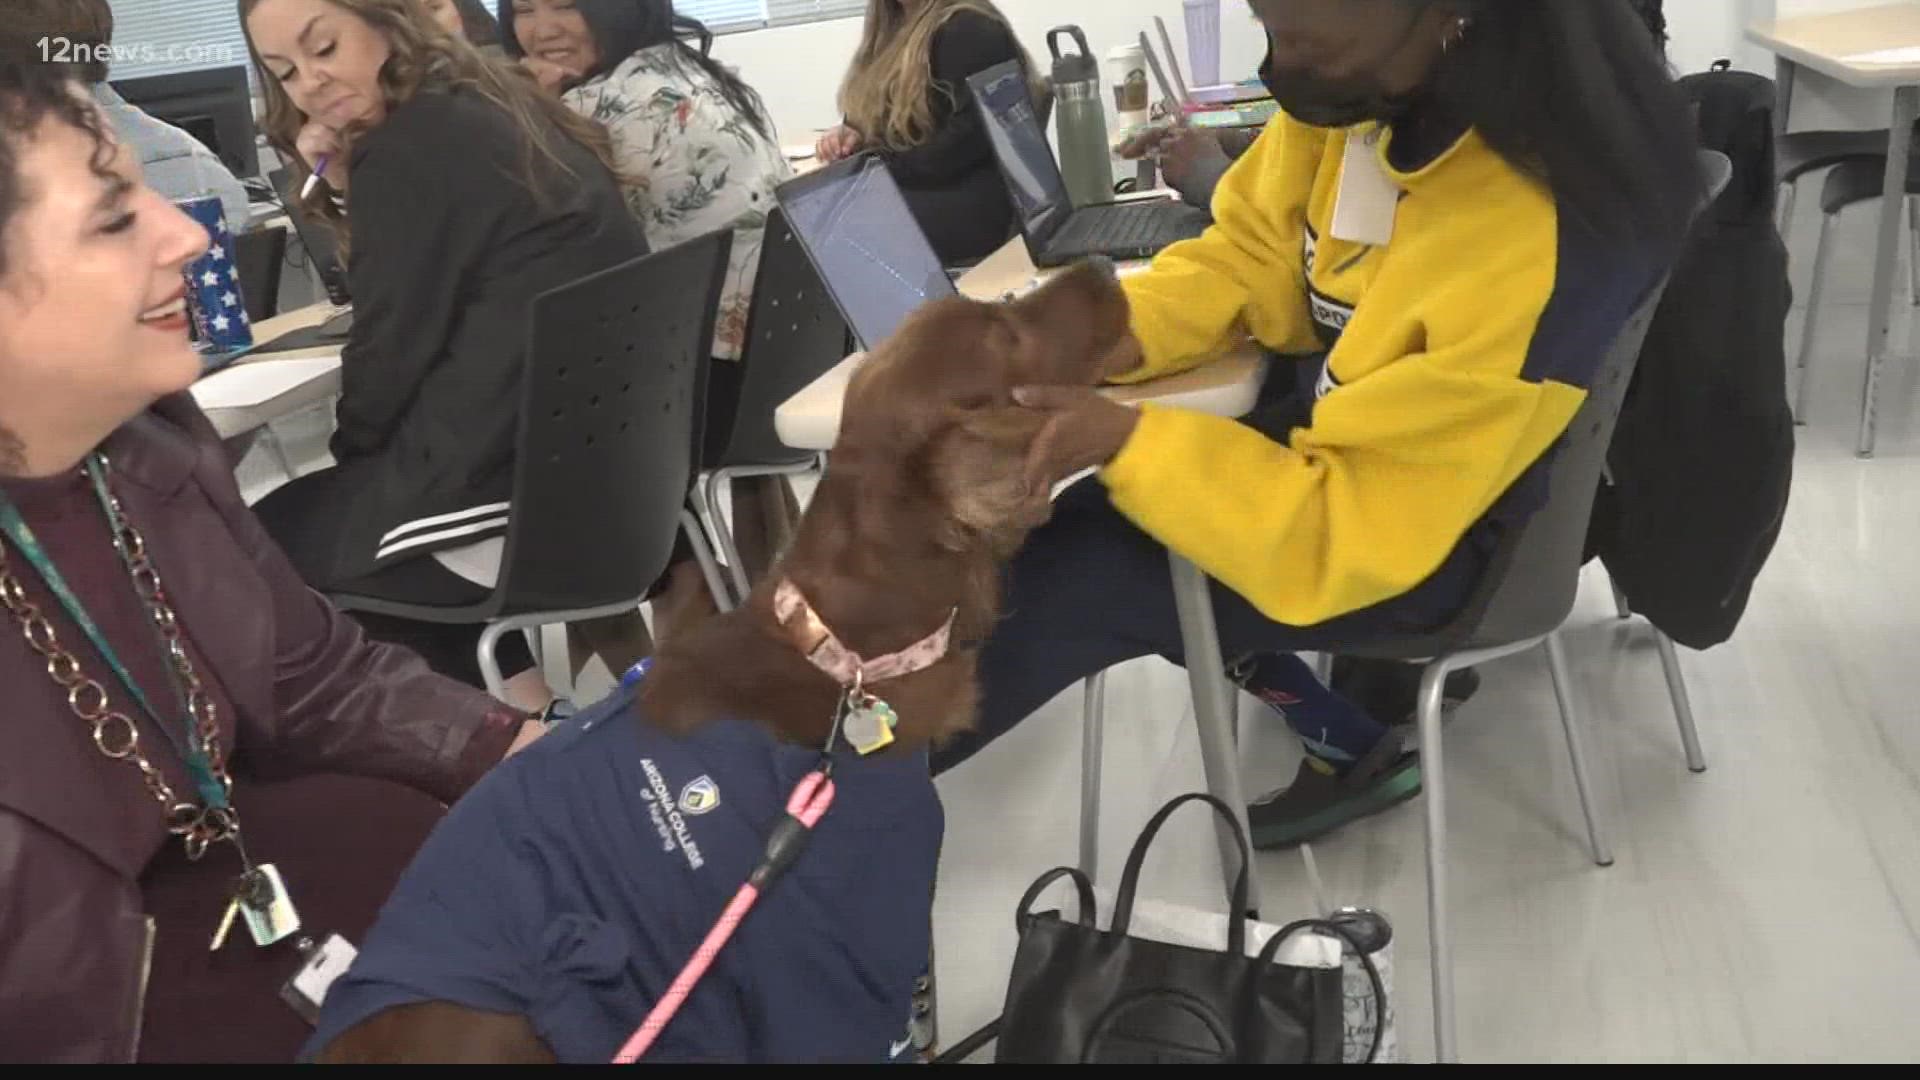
point(1081, 995)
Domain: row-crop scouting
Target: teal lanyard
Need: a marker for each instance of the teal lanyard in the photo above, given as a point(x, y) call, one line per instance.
point(199, 767)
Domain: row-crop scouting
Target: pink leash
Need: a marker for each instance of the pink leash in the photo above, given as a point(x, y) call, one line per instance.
point(805, 808)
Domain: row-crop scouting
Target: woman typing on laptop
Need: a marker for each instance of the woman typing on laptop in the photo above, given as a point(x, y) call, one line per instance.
point(1459, 210)
point(906, 99)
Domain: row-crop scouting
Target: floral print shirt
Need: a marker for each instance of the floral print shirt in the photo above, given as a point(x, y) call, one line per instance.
point(696, 165)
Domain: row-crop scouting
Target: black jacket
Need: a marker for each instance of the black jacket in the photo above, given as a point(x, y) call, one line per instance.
point(1702, 462)
point(449, 249)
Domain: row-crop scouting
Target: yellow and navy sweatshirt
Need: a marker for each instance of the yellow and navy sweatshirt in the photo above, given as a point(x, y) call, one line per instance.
point(1455, 357)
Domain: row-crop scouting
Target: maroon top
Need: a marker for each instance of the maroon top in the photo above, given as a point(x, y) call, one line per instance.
point(305, 702)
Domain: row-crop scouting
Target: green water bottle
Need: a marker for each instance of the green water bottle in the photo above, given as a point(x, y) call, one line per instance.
point(1086, 162)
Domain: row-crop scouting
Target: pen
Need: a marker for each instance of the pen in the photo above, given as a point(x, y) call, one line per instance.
point(320, 166)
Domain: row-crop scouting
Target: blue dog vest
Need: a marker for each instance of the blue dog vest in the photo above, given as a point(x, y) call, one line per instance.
point(573, 883)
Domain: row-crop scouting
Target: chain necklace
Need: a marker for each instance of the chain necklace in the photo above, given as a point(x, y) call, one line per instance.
point(201, 824)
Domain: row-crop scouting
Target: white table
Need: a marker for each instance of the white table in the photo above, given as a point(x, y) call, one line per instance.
point(1837, 46)
point(257, 390)
point(810, 420)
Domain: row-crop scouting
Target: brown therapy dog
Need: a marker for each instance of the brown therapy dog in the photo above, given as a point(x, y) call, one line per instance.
point(926, 496)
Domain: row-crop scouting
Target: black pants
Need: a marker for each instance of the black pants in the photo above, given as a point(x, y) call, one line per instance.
point(300, 517)
point(1090, 591)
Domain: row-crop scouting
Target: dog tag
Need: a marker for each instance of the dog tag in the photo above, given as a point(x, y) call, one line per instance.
point(1368, 200)
point(869, 726)
point(266, 907)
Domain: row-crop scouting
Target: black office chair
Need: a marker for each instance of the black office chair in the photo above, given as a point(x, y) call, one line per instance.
point(610, 416)
point(1798, 153)
point(795, 334)
point(1861, 179)
point(260, 255)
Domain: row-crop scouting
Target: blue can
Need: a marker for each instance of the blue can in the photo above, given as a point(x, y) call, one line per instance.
point(214, 299)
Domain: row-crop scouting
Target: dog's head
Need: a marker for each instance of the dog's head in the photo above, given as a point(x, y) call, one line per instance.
point(926, 494)
point(933, 406)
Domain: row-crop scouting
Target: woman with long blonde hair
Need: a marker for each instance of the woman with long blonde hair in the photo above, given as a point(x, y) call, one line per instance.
point(466, 191)
point(906, 100)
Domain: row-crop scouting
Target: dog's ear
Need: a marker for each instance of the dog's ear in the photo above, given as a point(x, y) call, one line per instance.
point(978, 468)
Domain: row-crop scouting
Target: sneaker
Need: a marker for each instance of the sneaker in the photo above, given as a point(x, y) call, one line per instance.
point(1390, 690)
point(1319, 801)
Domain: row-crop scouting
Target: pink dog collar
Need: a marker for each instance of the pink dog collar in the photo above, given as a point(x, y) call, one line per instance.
point(827, 652)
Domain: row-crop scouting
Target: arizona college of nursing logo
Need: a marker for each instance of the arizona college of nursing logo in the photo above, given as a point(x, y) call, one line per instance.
point(700, 796)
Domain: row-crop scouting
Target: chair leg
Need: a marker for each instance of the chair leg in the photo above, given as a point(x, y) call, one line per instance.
point(1213, 713)
point(1323, 667)
point(1434, 798)
point(1788, 195)
point(489, 655)
point(1820, 256)
point(1092, 751)
point(1682, 703)
point(723, 536)
point(1913, 234)
point(722, 597)
point(555, 660)
point(1620, 603)
point(1570, 720)
point(278, 451)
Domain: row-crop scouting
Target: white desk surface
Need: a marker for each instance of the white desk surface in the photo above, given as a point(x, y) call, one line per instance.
point(257, 390)
point(1840, 44)
point(1229, 386)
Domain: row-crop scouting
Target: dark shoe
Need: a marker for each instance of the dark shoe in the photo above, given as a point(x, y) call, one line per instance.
point(1319, 802)
point(1390, 690)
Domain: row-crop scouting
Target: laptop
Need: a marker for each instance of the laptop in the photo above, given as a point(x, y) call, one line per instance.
point(319, 244)
point(316, 239)
point(864, 243)
point(1248, 114)
point(1057, 234)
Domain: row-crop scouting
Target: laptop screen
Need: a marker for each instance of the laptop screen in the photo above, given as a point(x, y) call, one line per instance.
point(1026, 159)
point(866, 246)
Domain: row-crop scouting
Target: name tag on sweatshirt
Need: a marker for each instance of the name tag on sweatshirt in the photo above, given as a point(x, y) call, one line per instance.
point(1368, 199)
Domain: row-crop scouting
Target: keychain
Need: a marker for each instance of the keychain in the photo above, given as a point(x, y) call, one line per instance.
point(260, 897)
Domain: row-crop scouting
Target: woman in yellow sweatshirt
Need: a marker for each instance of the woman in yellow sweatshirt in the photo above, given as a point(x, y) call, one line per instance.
point(1459, 208)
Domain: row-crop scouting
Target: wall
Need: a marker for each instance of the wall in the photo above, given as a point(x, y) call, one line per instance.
point(798, 68)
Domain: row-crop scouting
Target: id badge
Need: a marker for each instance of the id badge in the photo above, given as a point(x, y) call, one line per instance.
point(1368, 199)
point(321, 968)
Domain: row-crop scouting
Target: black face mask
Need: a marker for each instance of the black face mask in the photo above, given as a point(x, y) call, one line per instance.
point(1336, 103)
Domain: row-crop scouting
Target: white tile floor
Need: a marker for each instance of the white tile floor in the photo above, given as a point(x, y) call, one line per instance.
point(1766, 911)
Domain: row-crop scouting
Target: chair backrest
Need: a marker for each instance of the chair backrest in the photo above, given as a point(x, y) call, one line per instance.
point(1531, 587)
point(795, 334)
point(259, 255)
point(610, 413)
